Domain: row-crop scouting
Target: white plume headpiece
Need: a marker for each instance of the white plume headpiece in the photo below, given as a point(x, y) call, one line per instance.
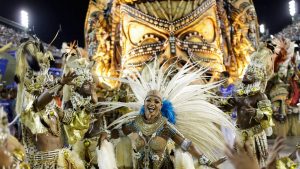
point(196, 118)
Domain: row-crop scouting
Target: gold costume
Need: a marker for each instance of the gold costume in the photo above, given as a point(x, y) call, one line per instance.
point(56, 159)
point(78, 113)
point(11, 149)
point(85, 148)
point(150, 145)
point(258, 142)
point(285, 163)
point(256, 126)
point(80, 119)
point(44, 122)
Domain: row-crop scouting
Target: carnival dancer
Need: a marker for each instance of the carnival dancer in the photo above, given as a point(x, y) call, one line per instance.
point(78, 102)
point(39, 114)
point(278, 86)
point(278, 92)
point(166, 110)
point(12, 153)
point(293, 102)
point(254, 111)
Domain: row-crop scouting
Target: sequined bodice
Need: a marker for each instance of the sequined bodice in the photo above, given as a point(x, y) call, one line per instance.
point(157, 144)
point(149, 144)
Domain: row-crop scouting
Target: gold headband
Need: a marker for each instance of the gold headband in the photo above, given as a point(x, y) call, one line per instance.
point(154, 93)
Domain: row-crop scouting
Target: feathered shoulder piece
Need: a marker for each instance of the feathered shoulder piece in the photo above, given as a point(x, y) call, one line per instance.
point(194, 117)
point(284, 51)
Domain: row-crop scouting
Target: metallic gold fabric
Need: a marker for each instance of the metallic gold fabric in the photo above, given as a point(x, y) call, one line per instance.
point(285, 163)
point(56, 159)
point(264, 107)
point(258, 142)
point(78, 127)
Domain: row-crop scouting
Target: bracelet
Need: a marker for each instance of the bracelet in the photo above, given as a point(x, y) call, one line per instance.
point(203, 160)
point(68, 116)
point(185, 144)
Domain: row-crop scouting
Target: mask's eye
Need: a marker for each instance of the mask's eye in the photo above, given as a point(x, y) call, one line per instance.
point(150, 39)
point(202, 30)
point(194, 37)
point(139, 34)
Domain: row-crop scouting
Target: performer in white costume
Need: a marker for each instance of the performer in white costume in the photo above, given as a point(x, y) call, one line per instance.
point(167, 110)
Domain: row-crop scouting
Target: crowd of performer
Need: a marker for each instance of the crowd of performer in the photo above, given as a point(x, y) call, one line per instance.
point(65, 123)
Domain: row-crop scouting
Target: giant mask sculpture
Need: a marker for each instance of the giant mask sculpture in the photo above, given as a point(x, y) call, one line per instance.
point(179, 30)
point(125, 33)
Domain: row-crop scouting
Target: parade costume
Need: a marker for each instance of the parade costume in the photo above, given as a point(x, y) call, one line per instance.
point(278, 88)
point(78, 115)
point(185, 114)
point(254, 110)
point(78, 105)
point(40, 123)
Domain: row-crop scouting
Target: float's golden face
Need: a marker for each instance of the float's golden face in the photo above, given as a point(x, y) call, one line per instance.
point(129, 33)
point(192, 38)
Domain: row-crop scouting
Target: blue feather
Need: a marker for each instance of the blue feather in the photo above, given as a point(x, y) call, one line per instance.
point(167, 111)
point(142, 110)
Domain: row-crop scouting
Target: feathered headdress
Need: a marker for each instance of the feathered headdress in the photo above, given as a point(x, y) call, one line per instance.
point(262, 65)
point(284, 51)
point(196, 118)
point(31, 57)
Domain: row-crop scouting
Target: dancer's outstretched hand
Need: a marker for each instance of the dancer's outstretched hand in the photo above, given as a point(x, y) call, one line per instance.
point(273, 154)
point(242, 159)
point(66, 79)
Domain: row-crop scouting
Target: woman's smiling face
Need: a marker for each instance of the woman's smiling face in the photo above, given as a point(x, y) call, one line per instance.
point(153, 105)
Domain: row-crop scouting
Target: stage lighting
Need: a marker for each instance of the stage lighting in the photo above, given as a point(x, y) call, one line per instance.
point(292, 8)
point(24, 19)
point(262, 28)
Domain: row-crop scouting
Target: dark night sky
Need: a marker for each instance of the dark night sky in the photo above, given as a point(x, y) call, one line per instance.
point(47, 15)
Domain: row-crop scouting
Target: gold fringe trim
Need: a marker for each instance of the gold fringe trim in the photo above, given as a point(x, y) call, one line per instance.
point(69, 160)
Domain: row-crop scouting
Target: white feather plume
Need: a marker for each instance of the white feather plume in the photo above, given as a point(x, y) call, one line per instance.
point(183, 160)
point(106, 156)
point(196, 118)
